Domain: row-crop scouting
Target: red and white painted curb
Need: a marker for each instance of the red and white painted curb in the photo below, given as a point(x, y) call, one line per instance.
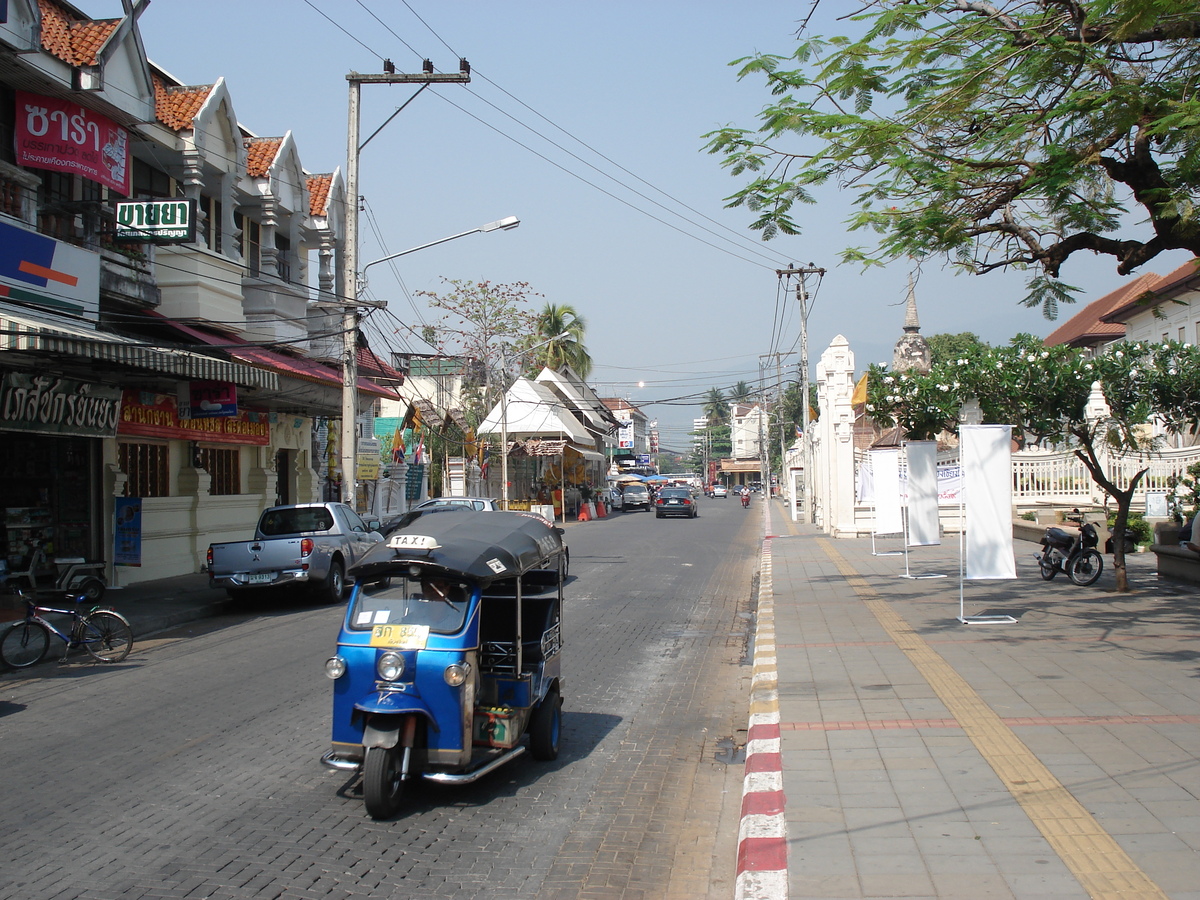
point(762, 836)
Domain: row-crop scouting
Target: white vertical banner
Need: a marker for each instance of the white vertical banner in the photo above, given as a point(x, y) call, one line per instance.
point(987, 490)
point(885, 470)
point(922, 493)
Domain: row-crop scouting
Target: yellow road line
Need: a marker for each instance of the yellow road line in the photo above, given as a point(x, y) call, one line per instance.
point(1093, 856)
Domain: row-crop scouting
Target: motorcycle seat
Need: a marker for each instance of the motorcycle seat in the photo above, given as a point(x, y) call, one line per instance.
point(1058, 535)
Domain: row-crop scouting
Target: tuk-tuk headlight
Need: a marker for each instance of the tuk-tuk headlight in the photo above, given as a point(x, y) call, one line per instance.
point(456, 674)
point(335, 667)
point(390, 665)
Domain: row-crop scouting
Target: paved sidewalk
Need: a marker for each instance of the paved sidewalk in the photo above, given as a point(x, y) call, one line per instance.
point(152, 606)
point(922, 757)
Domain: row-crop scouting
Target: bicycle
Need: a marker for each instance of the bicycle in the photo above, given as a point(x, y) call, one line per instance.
point(104, 633)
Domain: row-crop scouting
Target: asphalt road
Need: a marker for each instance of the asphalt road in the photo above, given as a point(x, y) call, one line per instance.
point(191, 769)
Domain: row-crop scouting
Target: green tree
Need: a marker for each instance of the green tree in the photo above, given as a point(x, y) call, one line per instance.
point(1043, 393)
point(553, 321)
point(716, 407)
point(943, 346)
point(741, 393)
point(1000, 133)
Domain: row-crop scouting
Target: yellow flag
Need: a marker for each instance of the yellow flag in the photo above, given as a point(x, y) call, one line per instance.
point(860, 392)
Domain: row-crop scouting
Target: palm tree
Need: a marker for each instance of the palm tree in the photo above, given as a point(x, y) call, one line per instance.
point(716, 407)
point(740, 393)
point(557, 319)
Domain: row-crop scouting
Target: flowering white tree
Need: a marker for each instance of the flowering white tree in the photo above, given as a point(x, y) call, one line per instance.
point(1043, 393)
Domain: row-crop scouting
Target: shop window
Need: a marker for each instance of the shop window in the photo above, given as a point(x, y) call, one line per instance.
point(251, 241)
point(150, 182)
point(145, 468)
point(8, 124)
point(283, 251)
point(224, 469)
point(210, 222)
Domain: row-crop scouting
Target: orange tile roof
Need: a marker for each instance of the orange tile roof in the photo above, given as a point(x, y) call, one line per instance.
point(72, 39)
point(260, 153)
point(318, 193)
point(1088, 326)
point(177, 105)
point(1167, 287)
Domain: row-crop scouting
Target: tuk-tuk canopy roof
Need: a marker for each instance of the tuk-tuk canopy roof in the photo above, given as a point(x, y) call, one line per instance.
point(484, 546)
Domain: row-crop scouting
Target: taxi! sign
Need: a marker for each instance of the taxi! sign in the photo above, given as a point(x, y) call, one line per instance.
point(412, 542)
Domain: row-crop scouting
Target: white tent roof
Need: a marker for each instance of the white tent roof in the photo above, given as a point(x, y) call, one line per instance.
point(535, 411)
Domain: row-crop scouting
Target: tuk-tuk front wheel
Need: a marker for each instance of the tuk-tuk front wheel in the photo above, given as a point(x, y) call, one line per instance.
point(383, 782)
point(545, 726)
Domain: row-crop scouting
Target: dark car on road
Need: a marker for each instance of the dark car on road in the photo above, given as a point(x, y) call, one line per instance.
point(675, 501)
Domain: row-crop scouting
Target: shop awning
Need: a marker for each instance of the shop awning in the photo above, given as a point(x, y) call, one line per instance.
point(300, 367)
point(26, 332)
point(586, 453)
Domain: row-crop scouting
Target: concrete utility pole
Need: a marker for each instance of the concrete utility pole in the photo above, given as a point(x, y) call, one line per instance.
point(349, 291)
point(802, 299)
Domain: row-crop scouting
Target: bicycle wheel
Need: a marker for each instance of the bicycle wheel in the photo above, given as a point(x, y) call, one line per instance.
point(24, 644)
point(106, 636)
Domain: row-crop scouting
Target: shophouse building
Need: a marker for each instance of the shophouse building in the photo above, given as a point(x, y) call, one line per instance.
point(164, 365)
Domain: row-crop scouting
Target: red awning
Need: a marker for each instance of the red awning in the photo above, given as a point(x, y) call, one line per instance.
point(272, 360)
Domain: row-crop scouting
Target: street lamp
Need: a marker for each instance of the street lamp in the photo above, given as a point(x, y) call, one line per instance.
point(350, 354)
point(504, 418)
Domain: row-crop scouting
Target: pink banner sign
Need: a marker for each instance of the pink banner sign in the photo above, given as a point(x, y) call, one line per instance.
point(65, 137)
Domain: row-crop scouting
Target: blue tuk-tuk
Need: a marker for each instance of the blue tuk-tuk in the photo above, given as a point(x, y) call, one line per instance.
point(448, 661)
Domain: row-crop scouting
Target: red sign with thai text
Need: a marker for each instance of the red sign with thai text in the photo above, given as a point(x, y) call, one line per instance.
point(157, 415)
point(65, 137)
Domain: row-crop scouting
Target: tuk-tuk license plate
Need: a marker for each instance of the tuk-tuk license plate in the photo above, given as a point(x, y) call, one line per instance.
point(400, 637)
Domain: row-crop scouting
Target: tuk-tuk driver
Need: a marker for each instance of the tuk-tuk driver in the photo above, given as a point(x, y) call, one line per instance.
point(443, 602)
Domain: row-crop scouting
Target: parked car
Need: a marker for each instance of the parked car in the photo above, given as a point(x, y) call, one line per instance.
point(631, 495)
point(719, 490)
point(476, 503)
point(676, 501)
point(307, 544)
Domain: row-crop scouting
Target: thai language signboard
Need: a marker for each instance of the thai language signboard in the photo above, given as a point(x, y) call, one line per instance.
point(63, 136)
point(46, 404)
point(157, 221)
point(157, 415)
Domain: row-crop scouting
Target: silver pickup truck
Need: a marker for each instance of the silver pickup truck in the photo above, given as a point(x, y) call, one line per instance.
point(310, 544)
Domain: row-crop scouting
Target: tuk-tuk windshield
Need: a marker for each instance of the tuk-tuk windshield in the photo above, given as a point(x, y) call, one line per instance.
point(439, 603)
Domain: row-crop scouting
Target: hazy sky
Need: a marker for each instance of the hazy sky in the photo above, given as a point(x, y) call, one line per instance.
point(586, 122)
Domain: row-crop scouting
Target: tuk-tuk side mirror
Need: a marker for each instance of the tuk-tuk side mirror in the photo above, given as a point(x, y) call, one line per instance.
point(560, 530)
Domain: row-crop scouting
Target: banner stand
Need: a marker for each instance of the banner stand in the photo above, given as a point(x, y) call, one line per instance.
point(962, 577)
point(874, 552)
point(907, 574)
point(885, 504)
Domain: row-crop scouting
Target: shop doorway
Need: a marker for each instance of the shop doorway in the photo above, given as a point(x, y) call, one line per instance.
point(285, 477)
point(48, 492)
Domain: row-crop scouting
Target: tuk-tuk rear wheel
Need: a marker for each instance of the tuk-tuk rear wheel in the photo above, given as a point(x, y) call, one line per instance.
point(545, 727)
point(382, 781)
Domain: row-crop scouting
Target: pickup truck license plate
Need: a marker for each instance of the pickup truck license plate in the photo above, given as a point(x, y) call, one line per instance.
point(400, 637)
point(261, 578)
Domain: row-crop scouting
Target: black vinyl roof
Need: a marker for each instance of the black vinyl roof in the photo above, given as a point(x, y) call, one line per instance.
point(484, 546)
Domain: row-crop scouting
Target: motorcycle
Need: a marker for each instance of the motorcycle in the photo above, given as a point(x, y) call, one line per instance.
point(745, 500)
point(1075, 554)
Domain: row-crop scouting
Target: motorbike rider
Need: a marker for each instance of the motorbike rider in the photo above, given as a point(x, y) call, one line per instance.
point(1185, 537)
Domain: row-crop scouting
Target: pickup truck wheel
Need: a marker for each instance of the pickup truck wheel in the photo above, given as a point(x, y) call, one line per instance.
point(334, 585)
